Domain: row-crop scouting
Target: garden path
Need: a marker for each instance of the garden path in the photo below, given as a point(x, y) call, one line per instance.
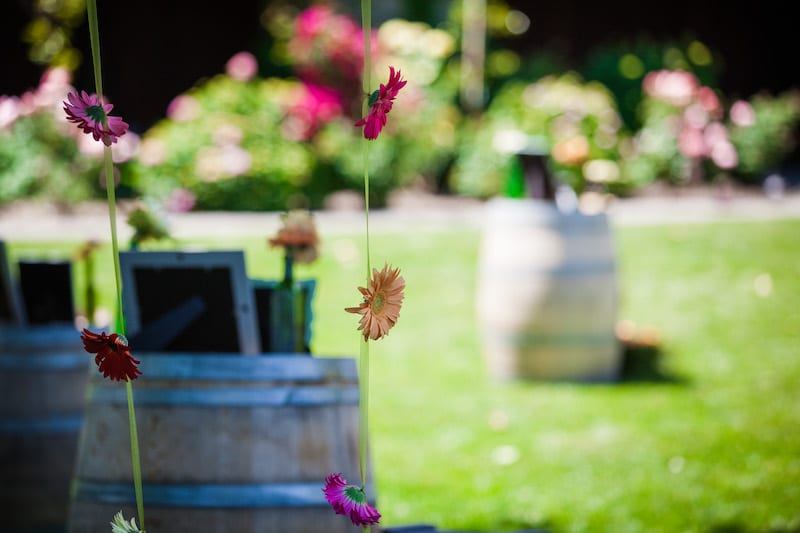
point(31, 221)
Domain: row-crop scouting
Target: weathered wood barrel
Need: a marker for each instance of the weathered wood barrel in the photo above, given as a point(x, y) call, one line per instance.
point(43, 377)
point(229, 443)
point(547, 293)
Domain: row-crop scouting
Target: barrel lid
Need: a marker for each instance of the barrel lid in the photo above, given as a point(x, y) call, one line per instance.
point(524, 211)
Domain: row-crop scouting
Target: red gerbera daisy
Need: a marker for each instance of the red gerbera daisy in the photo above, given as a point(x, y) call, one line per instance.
point(381, 102)
point(86, 111)
point(113, 357)
point(349, 500)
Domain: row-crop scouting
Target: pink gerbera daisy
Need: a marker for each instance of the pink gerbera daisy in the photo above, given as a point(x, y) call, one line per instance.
point(381, 102)
point(349, 500)
point(86, 111)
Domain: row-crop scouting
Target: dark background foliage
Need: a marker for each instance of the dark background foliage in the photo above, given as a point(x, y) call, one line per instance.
point(154, 50)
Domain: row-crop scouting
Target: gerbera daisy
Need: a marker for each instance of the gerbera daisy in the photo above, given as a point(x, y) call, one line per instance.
point(381, 102)
point(382, 301)
point(113, 357)
point(120, 525)
point(86, 111)
point(298, 235)
point(349, 500)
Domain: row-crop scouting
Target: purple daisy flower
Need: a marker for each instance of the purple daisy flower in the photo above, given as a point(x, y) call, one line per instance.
point(349, 500)
point(86, 111)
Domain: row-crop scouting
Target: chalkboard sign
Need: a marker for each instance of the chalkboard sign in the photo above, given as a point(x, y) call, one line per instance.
point(188, 302)
point(46, 289)
point(9, 308)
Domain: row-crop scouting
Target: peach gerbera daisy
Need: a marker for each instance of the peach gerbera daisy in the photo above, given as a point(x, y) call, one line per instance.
point(298, 235)
point(382, 301)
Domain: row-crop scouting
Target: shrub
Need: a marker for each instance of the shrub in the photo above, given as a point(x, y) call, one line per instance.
point(574, 122)
point(44, 156)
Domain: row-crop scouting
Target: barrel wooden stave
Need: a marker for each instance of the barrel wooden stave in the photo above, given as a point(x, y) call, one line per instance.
point(43, 376)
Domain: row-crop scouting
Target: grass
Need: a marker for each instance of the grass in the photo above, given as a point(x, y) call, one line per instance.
point(714, 446)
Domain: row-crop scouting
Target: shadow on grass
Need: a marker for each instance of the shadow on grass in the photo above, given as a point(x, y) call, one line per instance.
point(732, 527)
point(644, 363)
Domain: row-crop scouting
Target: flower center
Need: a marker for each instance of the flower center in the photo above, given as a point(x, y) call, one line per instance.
point(377, 302)
point(355, 494)
point(373, 97)
point(118, 343)
point(96, 113)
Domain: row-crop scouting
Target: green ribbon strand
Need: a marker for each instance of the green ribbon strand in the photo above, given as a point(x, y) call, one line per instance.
point(363, 436)
point(94, 37)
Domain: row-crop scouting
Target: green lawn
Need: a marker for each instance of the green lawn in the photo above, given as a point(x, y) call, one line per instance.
point(713, 446)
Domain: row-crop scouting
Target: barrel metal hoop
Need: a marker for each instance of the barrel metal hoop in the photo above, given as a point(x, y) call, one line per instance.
point(565, 270)
point(232, 367)
point(44, 424)
point(230, 396)
point(205, 495)
point(555, 339)
point(49, 361)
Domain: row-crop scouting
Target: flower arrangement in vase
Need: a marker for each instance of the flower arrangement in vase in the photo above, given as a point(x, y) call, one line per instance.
point(289, 301)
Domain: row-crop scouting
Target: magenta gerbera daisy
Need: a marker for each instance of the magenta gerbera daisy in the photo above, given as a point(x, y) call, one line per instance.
point(349, 500)
point(381, 102)
point(86, 111)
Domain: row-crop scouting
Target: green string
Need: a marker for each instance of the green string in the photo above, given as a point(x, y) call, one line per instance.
point(94, 37)
point(137, 468)
point(363, 436)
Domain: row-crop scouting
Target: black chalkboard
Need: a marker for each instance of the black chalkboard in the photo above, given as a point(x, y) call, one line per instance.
point(188, 302)
point(46, 290)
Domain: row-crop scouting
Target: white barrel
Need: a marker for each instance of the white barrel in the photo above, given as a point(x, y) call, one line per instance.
point(228, 444)
point(547, 293)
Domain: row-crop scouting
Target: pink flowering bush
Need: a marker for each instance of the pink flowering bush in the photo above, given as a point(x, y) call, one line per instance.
point(691, 134)
point(684, 136)
point(762, 130)
point(233, 144)
point(574, 123)
point(325, 49)
point(422, 129)
point(42, 155)
point(242, 141)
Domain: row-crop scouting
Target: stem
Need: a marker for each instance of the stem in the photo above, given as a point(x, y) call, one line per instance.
point(94, 37)
point(288, 268)
point(366, 28)
point(363, 436)
point(363, 417)
point(112, 215)
point(137, 469)
point(366, 25)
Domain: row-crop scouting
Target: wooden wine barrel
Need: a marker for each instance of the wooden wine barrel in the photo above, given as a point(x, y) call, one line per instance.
point(547, 293)
point(43, 376)
point(228, 443)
